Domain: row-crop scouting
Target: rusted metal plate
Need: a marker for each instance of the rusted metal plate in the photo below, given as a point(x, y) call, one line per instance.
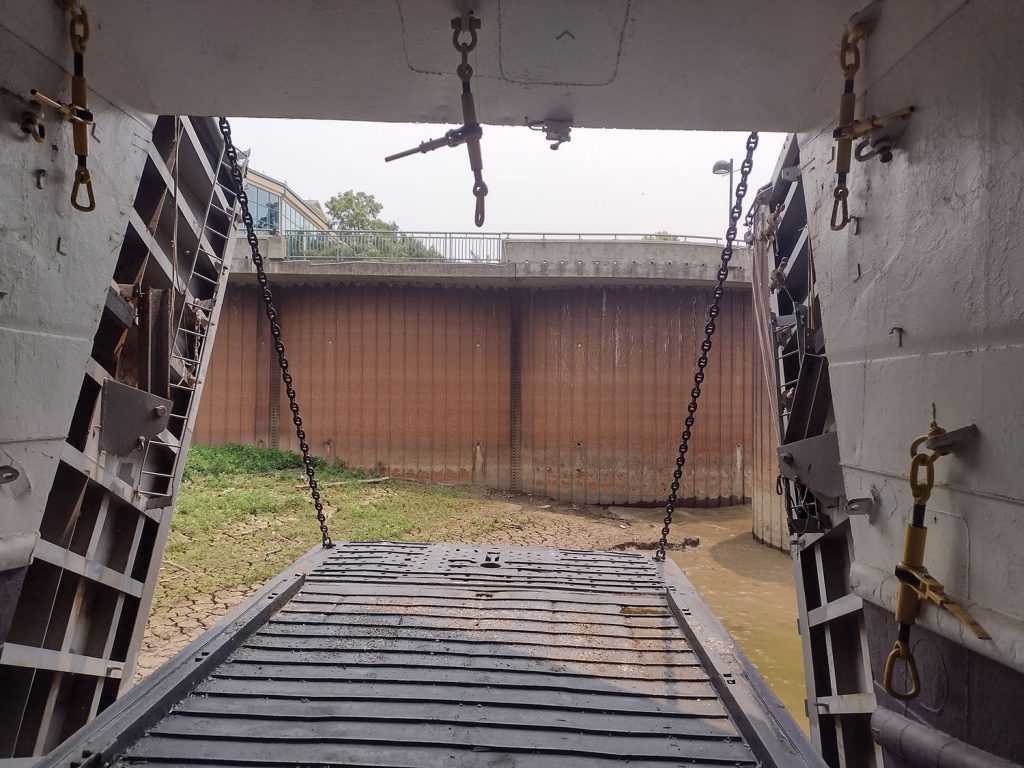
point(235, 404)
point(770, 521)
point(418, 380)
point(606, 376)
point(410, 379)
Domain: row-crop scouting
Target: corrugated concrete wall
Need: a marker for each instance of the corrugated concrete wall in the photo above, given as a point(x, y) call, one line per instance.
point(422, 381)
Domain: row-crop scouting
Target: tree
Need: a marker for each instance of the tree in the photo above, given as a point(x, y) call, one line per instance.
point(357, 211)
point(362, 234)
point(662, 236)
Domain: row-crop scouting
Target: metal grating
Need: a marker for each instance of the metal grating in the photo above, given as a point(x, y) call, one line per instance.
point(437, 655)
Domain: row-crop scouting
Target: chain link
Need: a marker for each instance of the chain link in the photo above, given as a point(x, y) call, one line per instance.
point(78, 27)
point(849, 50)
point(705, 346)
point(275, 327)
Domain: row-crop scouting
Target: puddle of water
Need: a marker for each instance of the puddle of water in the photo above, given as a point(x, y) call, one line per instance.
point(750, 588)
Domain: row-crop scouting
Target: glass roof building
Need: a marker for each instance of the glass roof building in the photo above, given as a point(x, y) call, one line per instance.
point(278, 212)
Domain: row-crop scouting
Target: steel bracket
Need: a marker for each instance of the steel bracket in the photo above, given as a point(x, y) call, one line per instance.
point(862, 506)
point(130, 417)
point(815, 463)
point(952, 440)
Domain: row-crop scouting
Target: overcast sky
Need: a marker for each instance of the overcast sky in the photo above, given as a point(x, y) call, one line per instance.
point(603, 181)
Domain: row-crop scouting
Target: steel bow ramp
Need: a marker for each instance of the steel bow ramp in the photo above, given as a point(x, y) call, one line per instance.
point(398, 654)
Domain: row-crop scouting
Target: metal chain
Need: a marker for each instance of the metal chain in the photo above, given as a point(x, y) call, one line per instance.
point(467, 23)
point(275, 327)
point(849, 62)
point(78, 25)
point(705, 346)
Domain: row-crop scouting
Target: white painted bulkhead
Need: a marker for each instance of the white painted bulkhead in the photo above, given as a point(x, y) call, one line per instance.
point(937, 250)
point(56, 262)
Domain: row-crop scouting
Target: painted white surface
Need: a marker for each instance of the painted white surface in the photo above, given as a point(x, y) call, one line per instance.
point(940, 253)
point(55, 262)
point(673, 64)
point(939, 243)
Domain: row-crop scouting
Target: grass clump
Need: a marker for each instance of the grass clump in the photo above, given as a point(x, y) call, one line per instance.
point(244, 513)
point(211, 461)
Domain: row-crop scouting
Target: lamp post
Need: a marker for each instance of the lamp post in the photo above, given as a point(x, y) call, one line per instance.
point(725, 168)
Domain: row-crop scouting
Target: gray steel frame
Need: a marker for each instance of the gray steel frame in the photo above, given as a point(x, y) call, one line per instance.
point(840, 697)
point(79, 616)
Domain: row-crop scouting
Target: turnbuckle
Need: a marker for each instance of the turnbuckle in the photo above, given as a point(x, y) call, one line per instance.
point(470, 131)
point(881, 133)
point(452, 138)
point(916, 583)
point(77, 111)
point(80, 118)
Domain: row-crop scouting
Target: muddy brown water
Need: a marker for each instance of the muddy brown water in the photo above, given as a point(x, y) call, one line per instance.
point(750, 587)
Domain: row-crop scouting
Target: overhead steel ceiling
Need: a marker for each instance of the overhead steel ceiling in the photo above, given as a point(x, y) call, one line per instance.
point(679, 64)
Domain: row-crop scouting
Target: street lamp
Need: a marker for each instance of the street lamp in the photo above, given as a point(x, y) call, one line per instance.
point(725, 168)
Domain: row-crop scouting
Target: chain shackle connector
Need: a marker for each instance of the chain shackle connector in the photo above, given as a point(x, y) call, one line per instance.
point(840, 208)
point(901, 652)
point(922, 490)
point(480, 192)
point(83, 180)
point(78, 27)
point(468, 24)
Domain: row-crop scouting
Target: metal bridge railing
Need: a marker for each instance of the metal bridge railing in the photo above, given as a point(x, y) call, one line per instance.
point(460, 247)
point(603, 236)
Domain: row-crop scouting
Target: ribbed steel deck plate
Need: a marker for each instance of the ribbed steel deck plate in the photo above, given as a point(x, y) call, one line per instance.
point(454, 655)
